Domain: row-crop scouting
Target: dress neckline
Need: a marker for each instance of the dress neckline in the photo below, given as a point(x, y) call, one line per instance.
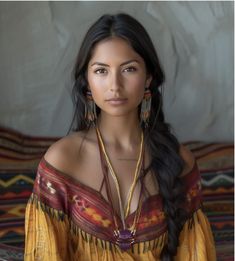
point(76, 183)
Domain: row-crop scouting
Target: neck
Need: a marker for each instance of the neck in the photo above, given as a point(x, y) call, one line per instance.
point(121, 132)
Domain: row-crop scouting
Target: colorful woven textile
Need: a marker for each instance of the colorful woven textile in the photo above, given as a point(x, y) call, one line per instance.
point(10, 253)
point(20, 155)
point(216, 164)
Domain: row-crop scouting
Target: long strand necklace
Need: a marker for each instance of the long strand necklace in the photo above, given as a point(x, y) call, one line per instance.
point(125, 237)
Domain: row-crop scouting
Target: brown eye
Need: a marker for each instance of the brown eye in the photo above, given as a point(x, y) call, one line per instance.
point(100, 71)
point(130, 69)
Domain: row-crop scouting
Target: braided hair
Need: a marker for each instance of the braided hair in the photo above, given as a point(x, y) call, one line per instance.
point(166, 162)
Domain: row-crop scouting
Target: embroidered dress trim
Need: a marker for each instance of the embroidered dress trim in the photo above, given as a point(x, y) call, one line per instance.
point(62, 197)
point(137, 248)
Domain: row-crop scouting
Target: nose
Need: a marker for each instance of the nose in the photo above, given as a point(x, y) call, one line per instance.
point(116, 81)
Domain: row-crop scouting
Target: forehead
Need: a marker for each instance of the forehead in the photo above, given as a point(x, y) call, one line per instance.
point(114, 49)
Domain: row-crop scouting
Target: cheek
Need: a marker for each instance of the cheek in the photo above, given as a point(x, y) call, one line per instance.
point(137, 79)
point(96, 84)
point(94, 81)
point(136, 86)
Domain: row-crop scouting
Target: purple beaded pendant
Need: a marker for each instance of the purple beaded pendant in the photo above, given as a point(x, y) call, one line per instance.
point(125, 239)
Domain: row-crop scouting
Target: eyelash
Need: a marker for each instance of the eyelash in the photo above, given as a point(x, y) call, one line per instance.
point(133, 69)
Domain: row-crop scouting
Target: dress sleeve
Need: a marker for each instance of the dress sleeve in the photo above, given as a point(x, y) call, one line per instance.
point(196, 242)
point(46, 224)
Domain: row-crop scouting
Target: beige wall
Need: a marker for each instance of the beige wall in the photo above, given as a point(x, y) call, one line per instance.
point(39, 42)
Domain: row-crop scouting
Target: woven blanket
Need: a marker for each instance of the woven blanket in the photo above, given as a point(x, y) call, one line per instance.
point(19, 158)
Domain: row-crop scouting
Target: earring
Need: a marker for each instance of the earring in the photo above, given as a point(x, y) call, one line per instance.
point(90, 108)
point(146, 107)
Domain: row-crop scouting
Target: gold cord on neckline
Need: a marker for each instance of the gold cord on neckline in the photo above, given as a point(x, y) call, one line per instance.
point(124, 213)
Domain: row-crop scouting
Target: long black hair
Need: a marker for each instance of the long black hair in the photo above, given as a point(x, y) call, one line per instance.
point(166, 162)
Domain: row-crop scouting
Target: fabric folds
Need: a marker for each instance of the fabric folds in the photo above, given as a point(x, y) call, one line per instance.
point(66, 220)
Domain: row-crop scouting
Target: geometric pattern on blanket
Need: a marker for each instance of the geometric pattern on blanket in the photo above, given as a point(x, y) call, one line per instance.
point(11, 253)
point(216, 164)
point(19, 158)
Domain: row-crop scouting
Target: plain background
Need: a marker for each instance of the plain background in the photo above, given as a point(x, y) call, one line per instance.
point(39, 42)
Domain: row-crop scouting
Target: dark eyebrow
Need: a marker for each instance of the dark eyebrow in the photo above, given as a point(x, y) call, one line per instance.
point(103, 64)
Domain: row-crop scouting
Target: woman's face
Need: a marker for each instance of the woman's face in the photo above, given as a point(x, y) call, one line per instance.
point(116, 71)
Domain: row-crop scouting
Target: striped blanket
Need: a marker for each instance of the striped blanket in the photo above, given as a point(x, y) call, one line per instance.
point(20, 155)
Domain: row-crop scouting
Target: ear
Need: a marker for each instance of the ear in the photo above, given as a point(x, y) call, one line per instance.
point(148, 80)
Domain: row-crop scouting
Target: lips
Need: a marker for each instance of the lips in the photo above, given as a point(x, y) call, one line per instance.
point(117, 99)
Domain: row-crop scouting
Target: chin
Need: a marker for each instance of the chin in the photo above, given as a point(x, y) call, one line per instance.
point(120, 112)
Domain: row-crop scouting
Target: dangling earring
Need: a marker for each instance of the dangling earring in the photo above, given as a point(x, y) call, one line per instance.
point(146, 107)
point(90, 109)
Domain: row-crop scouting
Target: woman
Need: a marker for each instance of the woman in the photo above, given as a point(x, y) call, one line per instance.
point(120, 187)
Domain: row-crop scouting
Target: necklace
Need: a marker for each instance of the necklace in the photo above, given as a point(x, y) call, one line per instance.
point(125, 237)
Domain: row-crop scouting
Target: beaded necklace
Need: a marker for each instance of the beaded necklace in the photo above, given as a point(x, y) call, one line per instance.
point(125, 237)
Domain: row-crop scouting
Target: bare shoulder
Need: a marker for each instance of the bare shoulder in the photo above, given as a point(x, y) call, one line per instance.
point(188, 158)
point(62, 153)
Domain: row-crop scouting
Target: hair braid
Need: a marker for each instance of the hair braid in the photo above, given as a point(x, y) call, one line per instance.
point(163, 146)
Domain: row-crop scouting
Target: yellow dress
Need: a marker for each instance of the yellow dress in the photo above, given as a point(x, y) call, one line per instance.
point(67, 220)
